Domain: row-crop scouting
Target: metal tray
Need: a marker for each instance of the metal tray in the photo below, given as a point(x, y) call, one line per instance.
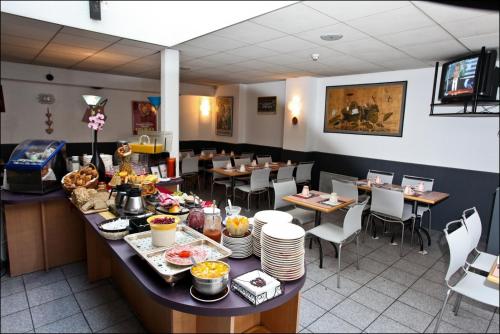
point(141, 243)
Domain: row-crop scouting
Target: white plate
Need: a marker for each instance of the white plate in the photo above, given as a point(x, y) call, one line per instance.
point(286, 231)
point(272, 216)
point(331, 203)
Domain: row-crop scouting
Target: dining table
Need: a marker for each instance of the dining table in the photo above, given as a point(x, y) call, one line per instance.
point(417, 197)
point(494, 272)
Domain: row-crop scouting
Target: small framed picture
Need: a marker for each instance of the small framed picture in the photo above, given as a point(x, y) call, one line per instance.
point(155, 171)
point(163, 170)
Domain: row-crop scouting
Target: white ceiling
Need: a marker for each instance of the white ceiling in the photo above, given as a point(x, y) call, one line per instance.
point(378, 36)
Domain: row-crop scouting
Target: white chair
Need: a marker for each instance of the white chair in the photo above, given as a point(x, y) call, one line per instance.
point(325, 180)
point(345, 188)
point(186, 153)
point(248, 155)
point(207, 151)
point(259, 183)
point(241, 161)
point(303, 174)
point(409, 180)
point(470, 285)
point(341, 235)
point(262, 159)
point(385, 177)
point(288, 188)
point(481, 260)
point(221, 158)
point(190, 169)
point(284, 173)
point(220, 179)
point(388, 206)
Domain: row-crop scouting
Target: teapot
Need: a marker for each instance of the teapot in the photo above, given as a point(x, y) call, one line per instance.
point(121, 194)
point(134, 204)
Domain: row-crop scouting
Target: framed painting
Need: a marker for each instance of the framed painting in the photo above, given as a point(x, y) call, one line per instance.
point(143, 117)
point(366, 109)
point(266, 104)
point(224, 120)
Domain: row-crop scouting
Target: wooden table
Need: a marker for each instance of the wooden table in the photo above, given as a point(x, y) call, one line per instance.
point(209, 158)
point(425, 197)
point(315, 203)
point(493, 275)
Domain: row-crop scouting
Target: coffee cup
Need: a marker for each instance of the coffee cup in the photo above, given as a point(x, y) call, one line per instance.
point(228, 166)
point(378, 180)
point(289, 163)
point(254, 162)
point(242, 168)
point(305, 191)
point(421, 186)
point(211, 155)
point(223, 152)
point(334, 198)
point(266, 165)
point(232, 153)
point(369, 183)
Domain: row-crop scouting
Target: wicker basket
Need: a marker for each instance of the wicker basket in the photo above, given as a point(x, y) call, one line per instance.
point(90, 184)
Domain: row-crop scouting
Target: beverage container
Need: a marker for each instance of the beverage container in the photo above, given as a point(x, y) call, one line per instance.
point(196, 219)
point(333, 197)
point(305, 191)
point(212, 227)
point(289, 163)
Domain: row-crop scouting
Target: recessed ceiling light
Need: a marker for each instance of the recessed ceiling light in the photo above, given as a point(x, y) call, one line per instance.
point(331, 37)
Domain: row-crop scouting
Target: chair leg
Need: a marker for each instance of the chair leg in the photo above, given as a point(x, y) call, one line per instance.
point(430, 220)
point(457, 304)
point(357, 251)
point(442, 311)
point(402, 239)
point(338, 267)
point(320, 254)
point(212, 190)
point(368, 221)
point(268, 198)
point(248, 201)
point(413, 230)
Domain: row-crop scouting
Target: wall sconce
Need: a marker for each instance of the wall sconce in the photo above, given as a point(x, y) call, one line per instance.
point(294, 106)
point(205, 107)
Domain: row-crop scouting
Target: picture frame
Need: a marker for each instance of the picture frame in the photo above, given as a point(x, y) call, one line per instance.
point(224, 118)
point(163, 170)
point(267, 104)
point(144, 117)
point(155, 171)
point(366, 109)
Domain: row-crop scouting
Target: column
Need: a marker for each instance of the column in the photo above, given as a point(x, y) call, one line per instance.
point(169, 110)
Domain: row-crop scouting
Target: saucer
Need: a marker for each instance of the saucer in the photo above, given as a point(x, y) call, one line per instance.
point(208, 298)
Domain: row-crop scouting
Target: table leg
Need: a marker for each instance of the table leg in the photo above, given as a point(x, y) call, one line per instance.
point(418, 229)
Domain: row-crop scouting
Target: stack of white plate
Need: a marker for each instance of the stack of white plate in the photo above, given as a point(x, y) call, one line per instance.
point(283, 251)
point(262, 218)
point(240, 246)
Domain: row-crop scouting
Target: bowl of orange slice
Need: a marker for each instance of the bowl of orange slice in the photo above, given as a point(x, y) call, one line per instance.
point(237, 225)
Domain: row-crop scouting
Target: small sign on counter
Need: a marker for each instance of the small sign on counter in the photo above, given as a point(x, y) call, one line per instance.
point(257, 287)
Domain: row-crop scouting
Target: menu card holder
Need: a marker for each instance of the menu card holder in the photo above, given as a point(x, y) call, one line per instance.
point(256, 294)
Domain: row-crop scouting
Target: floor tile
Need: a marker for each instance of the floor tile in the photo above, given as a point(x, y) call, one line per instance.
point(408, 316)
point(387, 287)
point(440, 266)
point(74, 269)
point(19, 322)
point(371, 298)
point(12, 286)
point(317, 274)
point(305, 330)
point(477, 308)
point(421, 301)
point(107, 315)
point(465, 320)
point(131, 325)
point(55, 310)
point(14, 303)
point(91, 298)
point(387, 325)
point(410, 267)
point(323, 297)
point(73, 324)
point(309, 312)
point(384, 257)
point(363, 249)
point(360, 276)
point(423, 260)
point(329, 323)
point(48, 293)
point(372, 266)
point(81, 283)
point(434, 276)
point(494, 328)
point(495, 317)
point(347, 286)
point(430, 288)
point(41, 278)
point(444, 327)
point(355, 313)
point(399, 276)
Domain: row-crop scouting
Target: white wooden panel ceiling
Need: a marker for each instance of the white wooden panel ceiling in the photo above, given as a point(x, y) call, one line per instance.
point(377, 36)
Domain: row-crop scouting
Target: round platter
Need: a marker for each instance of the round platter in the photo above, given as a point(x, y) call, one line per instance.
point(272, 216)
point(283, 231)
point(172, 255)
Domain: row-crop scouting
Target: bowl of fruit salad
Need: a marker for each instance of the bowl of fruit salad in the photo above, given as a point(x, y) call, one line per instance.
point(163, 228)
point(210, 277)
point(237, 226)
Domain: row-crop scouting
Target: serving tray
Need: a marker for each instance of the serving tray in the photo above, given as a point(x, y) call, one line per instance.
point(154, 256)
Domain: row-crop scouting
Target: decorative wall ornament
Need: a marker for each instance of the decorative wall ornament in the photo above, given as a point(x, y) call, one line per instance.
point(224, 125)
point(267, 104)
point(47, 99)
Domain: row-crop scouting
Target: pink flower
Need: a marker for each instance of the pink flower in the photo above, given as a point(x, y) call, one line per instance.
point(96, 122)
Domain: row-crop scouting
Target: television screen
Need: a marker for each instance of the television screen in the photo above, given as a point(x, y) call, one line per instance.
point(459, 78)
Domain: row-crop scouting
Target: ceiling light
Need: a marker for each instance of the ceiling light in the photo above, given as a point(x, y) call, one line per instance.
point(331, 37)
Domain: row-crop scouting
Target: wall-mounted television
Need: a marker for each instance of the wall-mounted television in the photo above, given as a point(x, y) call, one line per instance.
point(461, 77)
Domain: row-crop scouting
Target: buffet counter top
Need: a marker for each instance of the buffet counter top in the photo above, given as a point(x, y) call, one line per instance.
point(9, 197)
point(178, 296)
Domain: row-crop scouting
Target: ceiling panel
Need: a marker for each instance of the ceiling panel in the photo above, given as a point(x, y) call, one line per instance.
point(90, 34)
point(480, 25)
point(24, 27)
point(348, 10)
point(349, 34)
point(128, 50)
point(249, 32)
point(475, 43)
point(286, 44)
point(304, 18)
point(80, 41)
point(216, 43)
point(22, 41)
point(436, 51)
point(252, 51)
point(191, 52)
point(444, 13)
point(417, 36)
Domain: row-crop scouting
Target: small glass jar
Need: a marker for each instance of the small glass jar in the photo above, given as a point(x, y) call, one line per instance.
point(196, 219)
point(212, 227)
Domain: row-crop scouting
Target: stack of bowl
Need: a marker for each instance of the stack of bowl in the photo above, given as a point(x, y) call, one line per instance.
point(266, 217)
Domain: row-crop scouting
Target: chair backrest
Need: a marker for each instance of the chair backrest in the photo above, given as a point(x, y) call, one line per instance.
point(345, 188)
point(281, 189)
point(262, 159)
point(325, 180)
point(472, 223)
point(456, 241)
point(259, 179)
point(304, 171)
point(219, 164)
point(385, 177)
point(285, 172)
point(241, 161)
point(221, 158)
point(387, 202)
point(409, 180)
point(186, 153)
point(248, 155)
point(352, 219)
point(207, 151)
point(190, 165)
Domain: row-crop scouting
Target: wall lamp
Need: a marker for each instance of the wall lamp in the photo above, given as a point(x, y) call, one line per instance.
point(205, 106)
point(295, 105)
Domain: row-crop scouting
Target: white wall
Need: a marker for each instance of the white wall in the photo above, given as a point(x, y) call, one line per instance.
point(456, 142)
point(193, 125)
point(25, 117)
point(234, 91)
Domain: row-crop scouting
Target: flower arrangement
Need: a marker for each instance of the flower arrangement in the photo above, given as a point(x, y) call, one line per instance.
point(97, 121)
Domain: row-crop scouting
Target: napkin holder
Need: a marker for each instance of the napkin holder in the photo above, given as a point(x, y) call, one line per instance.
point(257, 295)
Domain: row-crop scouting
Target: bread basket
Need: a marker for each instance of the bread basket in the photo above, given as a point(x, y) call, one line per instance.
point(69, 186)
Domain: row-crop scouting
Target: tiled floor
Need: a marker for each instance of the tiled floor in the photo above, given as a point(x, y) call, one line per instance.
point(387, 294)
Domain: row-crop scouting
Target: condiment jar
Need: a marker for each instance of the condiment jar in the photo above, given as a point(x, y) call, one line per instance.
point(212, 227)
point(196, 219)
